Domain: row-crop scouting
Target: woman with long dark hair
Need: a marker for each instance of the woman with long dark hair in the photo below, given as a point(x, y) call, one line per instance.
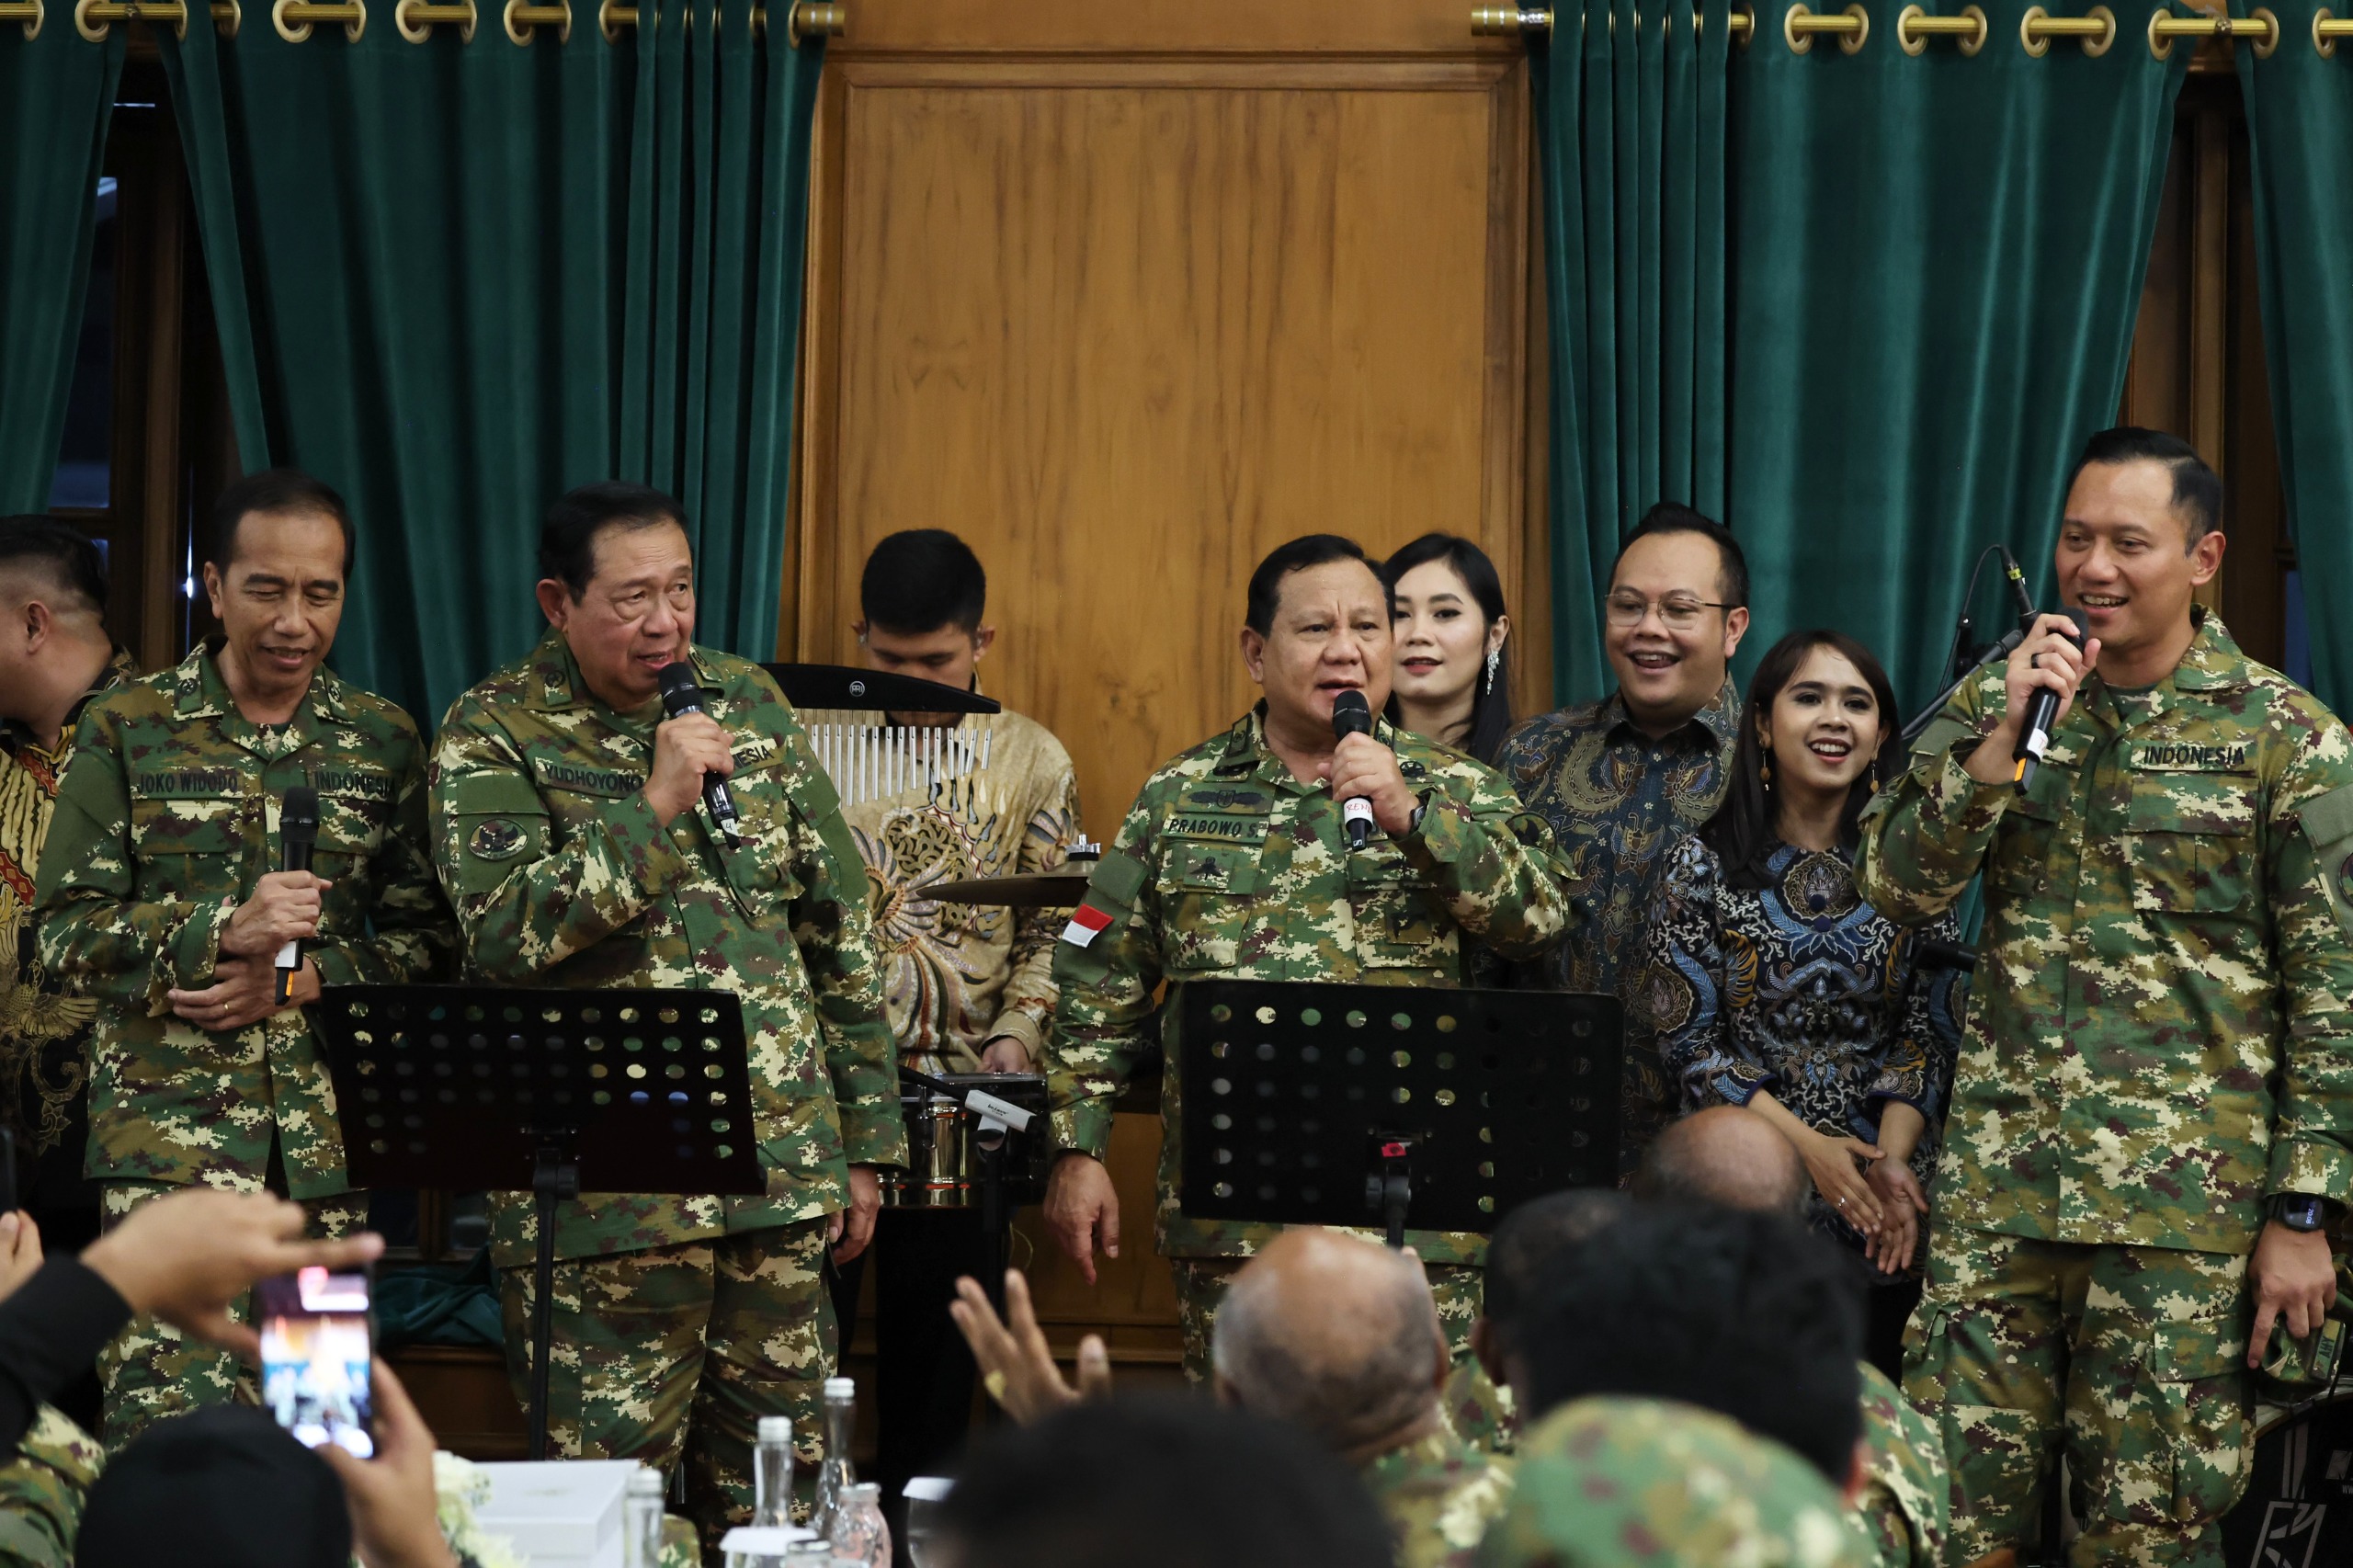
point(1453, 678)
point(1772, 984)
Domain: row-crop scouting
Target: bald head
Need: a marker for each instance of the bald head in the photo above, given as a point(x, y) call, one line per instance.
point(1333, 1334)
point(1726, 1154)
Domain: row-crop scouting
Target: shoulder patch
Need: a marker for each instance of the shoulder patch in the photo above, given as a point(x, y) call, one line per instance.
point(2328, 821)
point(495, 839)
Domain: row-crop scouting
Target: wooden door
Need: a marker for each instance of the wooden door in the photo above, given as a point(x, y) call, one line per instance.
point(1126, 292)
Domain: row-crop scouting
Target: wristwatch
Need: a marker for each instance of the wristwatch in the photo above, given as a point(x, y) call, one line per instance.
point(2303, 1210)
point(1421, 809)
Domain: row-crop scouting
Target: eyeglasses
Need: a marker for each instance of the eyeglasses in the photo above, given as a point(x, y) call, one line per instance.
point(1680, 613)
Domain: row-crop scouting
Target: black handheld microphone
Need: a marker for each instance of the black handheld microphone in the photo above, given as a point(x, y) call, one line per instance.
point(2041, 710)
point(1351, 715)
point(680, 695)
point(298, 831)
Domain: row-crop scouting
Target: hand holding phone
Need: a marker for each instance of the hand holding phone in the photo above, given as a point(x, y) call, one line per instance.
point(317, 1347)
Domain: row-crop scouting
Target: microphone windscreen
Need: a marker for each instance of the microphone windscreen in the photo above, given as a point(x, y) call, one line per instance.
point(297, 816)
point(1351, 715)
point(679, 693)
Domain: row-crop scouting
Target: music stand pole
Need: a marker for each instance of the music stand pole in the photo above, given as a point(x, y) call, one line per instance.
point(555, 1178)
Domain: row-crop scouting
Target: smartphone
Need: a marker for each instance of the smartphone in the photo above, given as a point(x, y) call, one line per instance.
point(318, 1337)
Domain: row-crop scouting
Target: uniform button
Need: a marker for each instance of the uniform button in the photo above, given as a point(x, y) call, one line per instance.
point(1656, 757)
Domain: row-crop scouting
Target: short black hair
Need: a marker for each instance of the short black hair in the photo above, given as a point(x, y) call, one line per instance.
point(1529, 1237)
point(223, 1486)
point(273, 489)
point(1673, 517)
point(921, 580)
point(574, 519)
point(1297, 555)
point(59, 551)
point(1751, 1315)
point(1159, 1483)
point(2197, 489)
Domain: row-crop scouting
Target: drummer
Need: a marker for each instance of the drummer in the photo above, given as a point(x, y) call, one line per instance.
point(969, 987)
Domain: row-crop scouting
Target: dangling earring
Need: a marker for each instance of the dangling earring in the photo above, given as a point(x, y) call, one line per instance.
point(1494, 657)
point(1764, 770)
point(1874, 783)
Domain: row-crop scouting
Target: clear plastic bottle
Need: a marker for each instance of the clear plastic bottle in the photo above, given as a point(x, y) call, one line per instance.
point(641, 1510)
point(772, 1472)
point(859, 1537)
point(834, 1473)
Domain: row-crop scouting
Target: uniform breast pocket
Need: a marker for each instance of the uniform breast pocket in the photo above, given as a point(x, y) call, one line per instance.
point(351, 830)
point(2024, 843)
point(2189, 842)
point(1395, 922)
point(188, 851)
point(761, 862)
point(1208, 892)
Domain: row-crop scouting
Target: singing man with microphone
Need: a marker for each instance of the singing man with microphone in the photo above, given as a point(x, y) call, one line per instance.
point(623, 807)
point(165, 898)
point(2151, 1122)
point(1237, 862)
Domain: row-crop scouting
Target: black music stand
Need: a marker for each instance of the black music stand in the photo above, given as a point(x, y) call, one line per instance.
point(546, 1092)
point(1360, 1105)
point(845, 686)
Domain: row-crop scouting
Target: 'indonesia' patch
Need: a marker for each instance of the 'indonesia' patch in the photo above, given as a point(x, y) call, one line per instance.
point(1087, 923)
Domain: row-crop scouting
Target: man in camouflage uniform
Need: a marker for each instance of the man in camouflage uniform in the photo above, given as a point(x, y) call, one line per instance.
point(1623, 780)
point(1233, 863)
point(158, 902)
point(42, 1490)
point(1905, 1510)
point(1643, 1484)
point(2154, 1107)
point(576, 851)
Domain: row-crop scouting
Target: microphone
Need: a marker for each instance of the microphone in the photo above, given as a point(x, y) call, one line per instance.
point(2042, 709)
point(1351, 715)
point(298, 831)
point(680, 695)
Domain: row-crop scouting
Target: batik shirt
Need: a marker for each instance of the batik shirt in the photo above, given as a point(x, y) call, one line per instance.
point(1800, 989)
point(44, 1034)
point(1618, 800)
point(2161, 1032)
point(993, 795)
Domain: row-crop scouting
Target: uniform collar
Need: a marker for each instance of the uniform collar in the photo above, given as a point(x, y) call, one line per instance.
point(557, 684)
point(1246, 743)
point(201, 692)
point(2214, 660)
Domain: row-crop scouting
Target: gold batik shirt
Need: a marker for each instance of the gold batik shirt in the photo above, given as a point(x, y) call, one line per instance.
point(42, 1033)
point(993, 795)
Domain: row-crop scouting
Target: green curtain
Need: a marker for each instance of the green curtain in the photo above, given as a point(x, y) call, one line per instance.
point(2300, 125)
point(455, 278)
point(56, 95)
point(1937, 264)
point(1630, 131)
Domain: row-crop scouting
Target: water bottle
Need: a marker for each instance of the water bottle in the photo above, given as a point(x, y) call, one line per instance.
point(641, 1510)
point(833, 1474)
point(859, 1537)
point(772, 1472)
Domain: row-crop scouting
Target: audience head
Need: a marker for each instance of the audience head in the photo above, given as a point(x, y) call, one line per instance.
point(1751, 1315)
point(1676, 610)
point(1316, 624)
point(52, 617)
point(1726, 1154)
point(1337, 1336)
point(220, 1487)
point(275, 564)
point(920, 602)
point(616, 578)
point(1447, 619)
point(2141, 533)
point(1159, 1483)
point(1525, 1243)
point(1819, 725)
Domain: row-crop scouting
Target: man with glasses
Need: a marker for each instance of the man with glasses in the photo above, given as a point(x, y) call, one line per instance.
point(1619, 780)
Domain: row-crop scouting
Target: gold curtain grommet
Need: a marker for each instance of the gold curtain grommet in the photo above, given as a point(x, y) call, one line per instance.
point(2096, 47)
point(1799, 43)
point(1852, 43)
point(1905, 39)
point(228, 15)
point(95, 32)
point(1741, 35)
point(2160, 44)
point(1976, 41)
point(2268, 44)
point(2034, 45)
point(2323, 45)
point(292, 32)
point(611, 19)
point(416, 32)
point(521, 29)
point(41, 14)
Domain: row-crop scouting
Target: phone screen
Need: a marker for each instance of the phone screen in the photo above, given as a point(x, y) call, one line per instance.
point(316, 1339)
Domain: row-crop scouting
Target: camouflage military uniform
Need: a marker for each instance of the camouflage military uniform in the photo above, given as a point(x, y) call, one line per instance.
point(1438, 1494)
point(1904, 1512)
point(41, 1493)
point(1481, 1413)
point(165, 822)
point(2158, 1043)
point(562, 878)
point(1228, 867)
point(1644, 1483)
point(1618, 800)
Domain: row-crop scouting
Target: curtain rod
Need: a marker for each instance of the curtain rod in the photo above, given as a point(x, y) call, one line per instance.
point(416, 19)
point(1915, 27)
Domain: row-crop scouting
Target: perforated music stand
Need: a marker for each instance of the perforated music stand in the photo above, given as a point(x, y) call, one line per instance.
point(546, 1092)
point(1360, 1105)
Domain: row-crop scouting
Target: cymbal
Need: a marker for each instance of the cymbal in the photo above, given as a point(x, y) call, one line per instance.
point(1042, 890)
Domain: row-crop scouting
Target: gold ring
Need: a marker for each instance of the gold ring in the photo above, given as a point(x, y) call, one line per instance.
point(995, 1383)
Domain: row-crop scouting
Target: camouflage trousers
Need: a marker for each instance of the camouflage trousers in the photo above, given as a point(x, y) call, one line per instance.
point(2129, 1360)
point(673, 1354)
point(150, 1370)
point(1201, 1282)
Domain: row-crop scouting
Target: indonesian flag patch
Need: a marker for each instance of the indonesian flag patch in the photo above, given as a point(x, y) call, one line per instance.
point(1087, 923)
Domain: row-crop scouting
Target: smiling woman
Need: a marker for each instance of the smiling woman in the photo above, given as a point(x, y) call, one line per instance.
point(1453, 672)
